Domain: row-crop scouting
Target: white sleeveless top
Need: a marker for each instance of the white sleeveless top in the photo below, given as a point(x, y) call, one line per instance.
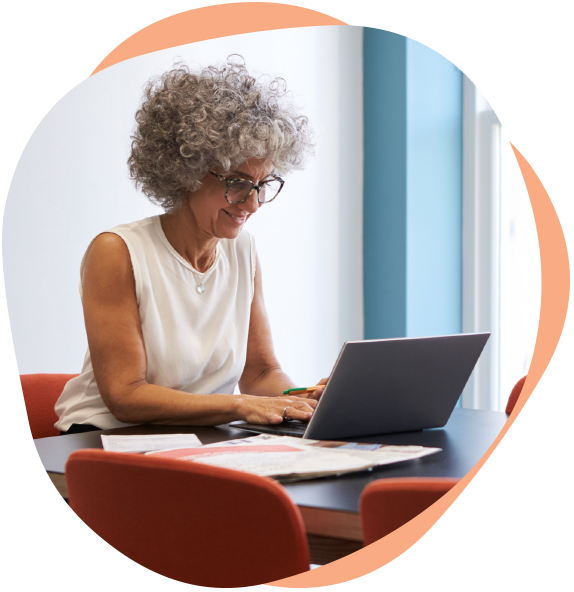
point(194, 342)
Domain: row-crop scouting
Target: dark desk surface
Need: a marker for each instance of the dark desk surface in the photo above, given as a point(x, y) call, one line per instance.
point(464, 440)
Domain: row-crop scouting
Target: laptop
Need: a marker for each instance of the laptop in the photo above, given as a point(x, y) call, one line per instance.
point(384, 386)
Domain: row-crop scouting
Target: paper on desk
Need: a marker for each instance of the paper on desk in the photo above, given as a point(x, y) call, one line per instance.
point(291, 459)
point(275, 458)
point(376, 454)
point(278, 464)
point(150, 442)
point(196, 453)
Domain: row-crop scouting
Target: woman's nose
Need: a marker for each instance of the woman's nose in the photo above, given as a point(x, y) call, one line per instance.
point(251, 204)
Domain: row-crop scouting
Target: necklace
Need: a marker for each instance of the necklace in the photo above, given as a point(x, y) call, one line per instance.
point(200, 287)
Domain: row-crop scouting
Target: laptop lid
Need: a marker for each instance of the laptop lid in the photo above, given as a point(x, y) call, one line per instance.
point(383, 386)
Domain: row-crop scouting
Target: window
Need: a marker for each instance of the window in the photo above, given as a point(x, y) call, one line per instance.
point(501, 265)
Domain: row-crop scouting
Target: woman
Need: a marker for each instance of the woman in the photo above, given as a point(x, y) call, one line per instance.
point(173, 304)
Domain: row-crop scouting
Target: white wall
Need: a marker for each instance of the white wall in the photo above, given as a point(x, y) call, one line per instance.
point(72, 183)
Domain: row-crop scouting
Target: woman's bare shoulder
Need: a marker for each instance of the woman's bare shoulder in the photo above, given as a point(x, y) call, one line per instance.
point(108, 258)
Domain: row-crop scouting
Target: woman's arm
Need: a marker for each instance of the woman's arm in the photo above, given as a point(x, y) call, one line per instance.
point(263, 375)
point(119, 361)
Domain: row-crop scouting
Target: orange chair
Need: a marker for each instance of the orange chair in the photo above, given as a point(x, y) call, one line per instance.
point(41, 391)
point(514, 395)
point(194, 523)
point(387, 504)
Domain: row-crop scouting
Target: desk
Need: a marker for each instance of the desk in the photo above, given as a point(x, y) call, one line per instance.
point(330, 507)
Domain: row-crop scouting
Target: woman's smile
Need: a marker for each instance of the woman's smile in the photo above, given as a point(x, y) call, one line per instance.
point(237, 219)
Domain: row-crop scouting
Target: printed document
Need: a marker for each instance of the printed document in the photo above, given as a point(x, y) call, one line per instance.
point(150, 442)
point(292, 459)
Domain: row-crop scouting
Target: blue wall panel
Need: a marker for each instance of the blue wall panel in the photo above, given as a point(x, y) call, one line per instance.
point(412, 189)
point(385, 183)
point(434, 193)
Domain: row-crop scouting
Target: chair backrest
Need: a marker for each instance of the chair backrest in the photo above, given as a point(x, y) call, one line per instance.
point(514, 395)
point(387, 504)
point(41, 391)
point(194, 523)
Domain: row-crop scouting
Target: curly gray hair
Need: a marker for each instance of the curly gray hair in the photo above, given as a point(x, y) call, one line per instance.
point(192, 122)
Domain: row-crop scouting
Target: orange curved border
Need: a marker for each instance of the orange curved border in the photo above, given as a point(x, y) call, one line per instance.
point(234, 19)
point(212, 22)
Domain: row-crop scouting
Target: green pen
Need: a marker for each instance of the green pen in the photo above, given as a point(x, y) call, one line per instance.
point(302, 389)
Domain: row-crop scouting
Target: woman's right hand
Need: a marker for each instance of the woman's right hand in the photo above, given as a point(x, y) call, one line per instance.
point(273, 410)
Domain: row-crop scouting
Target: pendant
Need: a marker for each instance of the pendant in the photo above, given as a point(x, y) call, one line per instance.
point(201, 289)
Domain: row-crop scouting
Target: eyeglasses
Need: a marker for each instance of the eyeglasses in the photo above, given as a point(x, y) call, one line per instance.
point(238, 190)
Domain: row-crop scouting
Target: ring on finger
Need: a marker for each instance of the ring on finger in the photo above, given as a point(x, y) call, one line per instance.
point(284, 410)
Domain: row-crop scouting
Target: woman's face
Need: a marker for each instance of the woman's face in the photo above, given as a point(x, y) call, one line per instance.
point(213, 213)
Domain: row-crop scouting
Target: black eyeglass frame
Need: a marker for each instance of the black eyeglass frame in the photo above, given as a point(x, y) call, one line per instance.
point(258, 188)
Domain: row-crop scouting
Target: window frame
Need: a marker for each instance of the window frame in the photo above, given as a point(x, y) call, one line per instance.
point(481, 243)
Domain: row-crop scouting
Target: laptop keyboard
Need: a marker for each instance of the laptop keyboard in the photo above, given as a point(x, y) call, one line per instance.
point(287, 428)
point(293, 426)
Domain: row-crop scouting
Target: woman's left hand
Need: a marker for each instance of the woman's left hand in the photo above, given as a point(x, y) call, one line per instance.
point(316, 394)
